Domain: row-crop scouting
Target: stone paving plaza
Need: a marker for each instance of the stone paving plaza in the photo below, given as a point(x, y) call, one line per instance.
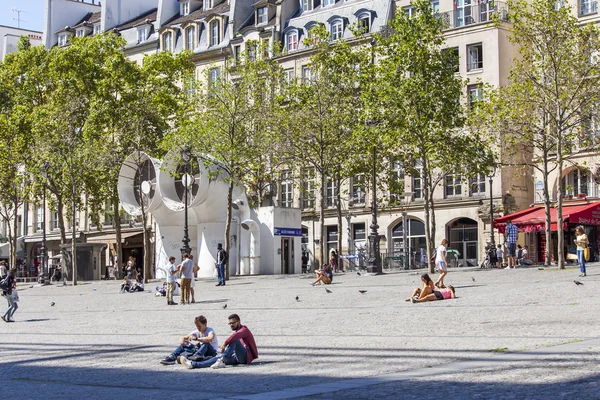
point(518, 334)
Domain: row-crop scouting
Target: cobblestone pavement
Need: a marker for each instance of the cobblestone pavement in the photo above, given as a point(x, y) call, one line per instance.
point(518, 334)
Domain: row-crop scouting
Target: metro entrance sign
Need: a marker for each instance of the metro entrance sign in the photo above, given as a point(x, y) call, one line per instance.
point(287, 231)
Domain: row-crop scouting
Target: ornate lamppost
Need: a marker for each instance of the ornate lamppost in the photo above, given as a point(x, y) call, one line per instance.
point(186, 180)
point(374, 261)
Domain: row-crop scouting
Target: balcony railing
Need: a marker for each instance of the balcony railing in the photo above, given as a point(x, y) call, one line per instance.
point(475, 14)
point(588, 7)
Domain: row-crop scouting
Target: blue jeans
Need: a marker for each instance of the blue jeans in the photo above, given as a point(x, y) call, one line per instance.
point(581, 259)
point(12, 306)
point(184, 349)
point(234, 354)
point(221, 271)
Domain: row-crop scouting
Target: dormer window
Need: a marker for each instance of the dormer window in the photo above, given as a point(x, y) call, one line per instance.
point(292, 41)
point(142, 34)
point(208, 4)
point(167, 42)
point(190, 38)
point(80, 33)
point(63, 39)
point(364, 22)
point(337, 29)
point(97, 29)
point(262, 16)
point(307, 5)
point(328, 3)
point(214, 33)
point(185, 8)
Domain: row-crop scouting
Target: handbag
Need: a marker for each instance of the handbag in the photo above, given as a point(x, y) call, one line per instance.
point(586, 253)
point(15, 295)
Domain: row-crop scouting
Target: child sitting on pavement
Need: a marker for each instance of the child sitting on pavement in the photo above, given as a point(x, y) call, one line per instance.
point(205, 347)
point(126, 286)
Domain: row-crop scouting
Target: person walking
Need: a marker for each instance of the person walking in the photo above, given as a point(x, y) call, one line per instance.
point(186, 268)
point(512, 234)
point(193, 287)
point(239, 348)
point(581, 240)
point(441, 264)
point(3, 269)
point(222, 258)
point(171, 281)
point(8, 285)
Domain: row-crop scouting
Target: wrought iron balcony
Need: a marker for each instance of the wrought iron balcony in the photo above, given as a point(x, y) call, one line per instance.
point(475, 14)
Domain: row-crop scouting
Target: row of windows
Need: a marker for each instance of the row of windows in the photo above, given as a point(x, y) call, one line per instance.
point(185, 6)
point(453, 187)
point(191, 37)
point(337, 27)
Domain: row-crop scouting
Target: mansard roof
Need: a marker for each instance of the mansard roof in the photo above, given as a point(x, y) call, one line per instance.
point(140, 20)
point(200, 13)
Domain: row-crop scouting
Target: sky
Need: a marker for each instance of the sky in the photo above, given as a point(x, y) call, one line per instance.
point(32, 16)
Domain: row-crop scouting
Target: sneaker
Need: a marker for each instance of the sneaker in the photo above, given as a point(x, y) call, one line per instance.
point(193, 301)
point(10, 320)
point(172, 303)
point(4, 319)
point(413, 300)
point(218, 284)
point(507, 268)
point(219, 364)
point(170, 360)
point(185, 362)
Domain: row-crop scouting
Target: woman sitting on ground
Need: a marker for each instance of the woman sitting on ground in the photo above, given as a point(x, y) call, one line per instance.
point(425, 290)
point(440, 294)
point(138, 286)
point(324, 275)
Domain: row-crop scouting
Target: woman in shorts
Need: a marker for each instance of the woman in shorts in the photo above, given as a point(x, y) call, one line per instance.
point(425, 290)
point(440, 294)
point(441, 264)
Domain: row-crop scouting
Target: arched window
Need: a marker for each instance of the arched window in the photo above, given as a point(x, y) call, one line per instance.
point(292, 41)
point(168, 41)
point(416, 246)
point(580, 182)
point(190, 42)
point(337, 29)
point(214, 33)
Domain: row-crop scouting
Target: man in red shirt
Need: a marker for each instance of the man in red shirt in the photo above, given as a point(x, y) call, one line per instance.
point(239, 348)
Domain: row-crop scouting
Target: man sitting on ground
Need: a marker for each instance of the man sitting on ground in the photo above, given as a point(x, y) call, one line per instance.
point(239, 348)
point(324, 275)
point(207, 344)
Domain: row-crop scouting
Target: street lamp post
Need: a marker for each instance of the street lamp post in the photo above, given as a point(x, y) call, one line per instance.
point(43, 278)
point(374, 262)
point(185, 249)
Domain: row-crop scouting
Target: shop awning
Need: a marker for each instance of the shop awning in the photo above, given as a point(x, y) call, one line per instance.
point(110, 238)
point(534, 219)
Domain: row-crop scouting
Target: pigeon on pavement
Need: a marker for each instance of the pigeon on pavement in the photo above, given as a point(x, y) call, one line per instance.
point(357, 273)
point(225, 306)
point(328, 291)
point(52, 304)
point(363, 291)
point(473, 279)
point(578, 283)
point(297, 298)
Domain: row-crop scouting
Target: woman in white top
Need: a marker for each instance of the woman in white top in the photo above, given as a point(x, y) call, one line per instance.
point(582, 241)
point(441, 264)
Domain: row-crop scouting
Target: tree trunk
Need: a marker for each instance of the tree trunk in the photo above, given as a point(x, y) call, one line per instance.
point(323, 248)
point(118, 236)
point(339, 219)
point(548, 231)
point(228, 224)
point(426, 195)
point(63, 237)
point(13, 253)
point(559, 214)
point(74, 235)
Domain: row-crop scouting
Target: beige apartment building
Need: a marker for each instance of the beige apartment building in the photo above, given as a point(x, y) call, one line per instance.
point(218, 31)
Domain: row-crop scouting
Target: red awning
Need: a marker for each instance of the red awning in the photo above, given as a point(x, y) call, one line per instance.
point(534, 219)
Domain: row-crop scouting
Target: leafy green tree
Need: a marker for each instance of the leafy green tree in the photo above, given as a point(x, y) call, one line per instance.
point(323, 113)
point(229, 118)
point(135, 108)
point(418, 109)
point(18, 83)
point(546, 109)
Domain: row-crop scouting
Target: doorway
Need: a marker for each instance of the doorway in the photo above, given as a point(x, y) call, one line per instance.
point(287, 255)
point(463, 234)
